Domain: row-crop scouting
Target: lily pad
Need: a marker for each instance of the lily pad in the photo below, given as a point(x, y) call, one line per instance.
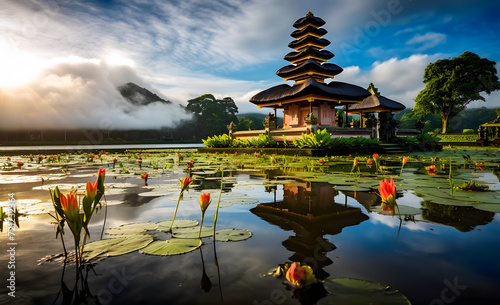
point(133, 228)
point(232, 234)
point(172, 246)
point(193, 232)
point(354, 291)
point(115, 246)
point(488, 207)
point(178, 223)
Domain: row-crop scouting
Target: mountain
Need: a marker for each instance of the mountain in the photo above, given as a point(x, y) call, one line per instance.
point(137, 95)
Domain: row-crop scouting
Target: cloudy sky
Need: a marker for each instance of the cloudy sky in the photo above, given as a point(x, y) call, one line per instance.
point(60, 61)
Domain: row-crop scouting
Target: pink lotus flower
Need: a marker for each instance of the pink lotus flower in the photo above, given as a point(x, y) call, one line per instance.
point(301, 276)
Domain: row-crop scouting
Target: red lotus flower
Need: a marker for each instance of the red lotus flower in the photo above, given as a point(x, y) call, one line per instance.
point(405, 159)
point(388, 192)
point(101, 172)
point(69, 202)
point(375, 156)
point(431, 170)
point(114, 160)
point(235, 153)
point(185, 182)
point(300, 275)
point(145, 177)
point(20, 163)
point(321, 161)
point(355, 161)
point(139, 161)
point(255, 154)
point(180, 155)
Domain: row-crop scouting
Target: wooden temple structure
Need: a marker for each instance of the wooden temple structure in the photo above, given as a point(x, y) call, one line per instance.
point(310, 103)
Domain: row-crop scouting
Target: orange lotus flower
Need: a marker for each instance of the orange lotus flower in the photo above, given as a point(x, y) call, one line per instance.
point(69, 202)
point(388, 192)
point(185, 182)
point(204, 201)
point(255, 154)
point(101, 172)
point(321, 161)
point(405, 159)
point(431, 170)
point(369, 161)
point(375, 156)
point(355, 161)
point(145, 177)
point(91, 190)
point(300, 275)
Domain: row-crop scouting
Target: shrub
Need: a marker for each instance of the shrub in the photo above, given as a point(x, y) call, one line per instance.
point(319, 139)
point(468, 131)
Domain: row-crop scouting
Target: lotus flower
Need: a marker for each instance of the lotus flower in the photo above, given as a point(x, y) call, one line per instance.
point(204, 201)
point(69, 203)
point(185, 182)
point(388, 192)
point(431, 170)
point(91, 190)
point(301, 276)
point(145, 177)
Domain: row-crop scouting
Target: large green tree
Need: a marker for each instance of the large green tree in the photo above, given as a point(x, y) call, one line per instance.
point(211, 116)
point(453, 83)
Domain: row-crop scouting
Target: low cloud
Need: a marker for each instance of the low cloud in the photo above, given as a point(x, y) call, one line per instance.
point(77, 93)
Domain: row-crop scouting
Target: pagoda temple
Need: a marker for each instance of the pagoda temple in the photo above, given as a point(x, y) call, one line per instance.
point(311, 100)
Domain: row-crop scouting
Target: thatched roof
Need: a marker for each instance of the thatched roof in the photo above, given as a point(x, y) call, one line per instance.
point(376, 103)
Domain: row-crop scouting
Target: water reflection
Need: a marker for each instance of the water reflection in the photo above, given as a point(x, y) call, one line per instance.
point(464, 219)
point(310, 211)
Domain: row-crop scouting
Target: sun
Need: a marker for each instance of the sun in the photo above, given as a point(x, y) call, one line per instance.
point(17, 67)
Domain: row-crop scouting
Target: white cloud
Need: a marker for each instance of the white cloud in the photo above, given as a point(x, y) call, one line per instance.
point(427, 40)
point(397, 79)
point(78, 93)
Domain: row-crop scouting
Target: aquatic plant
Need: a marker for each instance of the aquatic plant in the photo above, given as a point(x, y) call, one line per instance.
point(387, 192)
point(204, 203)
point(185, 182)
point(405, 159)
point(301, 276)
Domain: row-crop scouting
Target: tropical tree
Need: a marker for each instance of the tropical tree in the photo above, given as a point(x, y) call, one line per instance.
point(453, 83)
point(211, 116)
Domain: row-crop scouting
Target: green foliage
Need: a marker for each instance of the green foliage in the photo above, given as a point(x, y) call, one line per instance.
point(459, 138)
point(468, 131)
point(473, 186)
point(218, 141)
point(453, 83)
point(210, 116)
point(320, 139)
point(263, 141)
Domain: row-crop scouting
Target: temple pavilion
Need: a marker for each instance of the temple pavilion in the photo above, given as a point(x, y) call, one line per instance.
point(310, 96)
point(310, 103)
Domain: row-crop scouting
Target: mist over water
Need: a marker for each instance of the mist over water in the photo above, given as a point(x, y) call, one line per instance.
point(77, 93)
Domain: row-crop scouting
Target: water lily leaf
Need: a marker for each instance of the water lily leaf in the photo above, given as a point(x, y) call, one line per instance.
point(178, 223)
point(354, 291)
point(133, 228)
point(488, 207)
point(232, 234)
point(193, 232)
point(172, 246)
point(348, 188)
point(116, 246)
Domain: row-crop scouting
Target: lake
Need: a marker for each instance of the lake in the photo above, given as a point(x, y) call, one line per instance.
point(439, 249)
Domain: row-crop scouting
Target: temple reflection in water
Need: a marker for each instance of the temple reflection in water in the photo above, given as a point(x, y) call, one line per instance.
point(309, 209)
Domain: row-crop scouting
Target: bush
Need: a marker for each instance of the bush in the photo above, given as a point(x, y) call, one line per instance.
point(468, 131)
point(320, 139)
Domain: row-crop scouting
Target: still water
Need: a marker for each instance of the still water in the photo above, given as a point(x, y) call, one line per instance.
point(440, 255)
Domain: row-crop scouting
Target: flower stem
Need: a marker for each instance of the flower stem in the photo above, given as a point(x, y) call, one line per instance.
point(201, 225)
point(175, 213)
point(218, 202)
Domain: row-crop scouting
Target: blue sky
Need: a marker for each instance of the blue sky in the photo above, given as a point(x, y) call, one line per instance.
point(71, 54)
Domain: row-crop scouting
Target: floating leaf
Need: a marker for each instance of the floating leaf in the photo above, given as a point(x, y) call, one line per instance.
point(193, 232)
point(116, 246)
point(172, 246)
point(178, 223)
point(133, 228)
point(354, 291)
point(488, 207)
point(232, 234)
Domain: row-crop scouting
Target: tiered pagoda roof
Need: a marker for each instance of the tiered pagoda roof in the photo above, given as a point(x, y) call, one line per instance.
point(309, 69)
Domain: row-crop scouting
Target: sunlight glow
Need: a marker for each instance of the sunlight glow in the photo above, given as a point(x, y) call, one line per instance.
point(17, 67)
